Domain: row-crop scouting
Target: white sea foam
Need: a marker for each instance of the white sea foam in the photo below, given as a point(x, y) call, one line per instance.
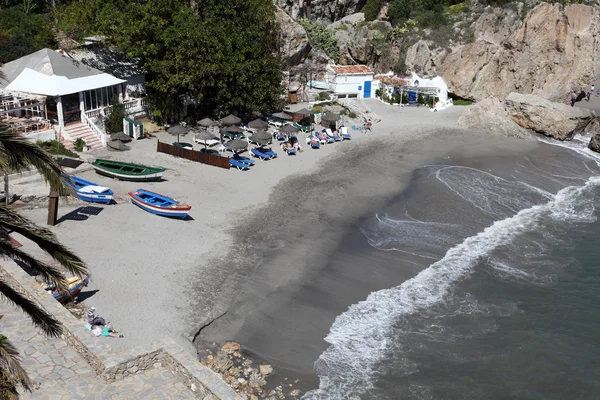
point(359, 337)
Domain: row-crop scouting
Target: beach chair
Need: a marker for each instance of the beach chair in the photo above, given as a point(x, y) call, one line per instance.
point(329, 133)
point(328, 139)
point(281, 136)
point(269, 152)
point(239, 165)
point(345, 134)
point(257, 153)
point(244, 160)
point(314, 143)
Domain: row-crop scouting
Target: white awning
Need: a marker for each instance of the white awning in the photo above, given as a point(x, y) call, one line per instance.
point(30, 81)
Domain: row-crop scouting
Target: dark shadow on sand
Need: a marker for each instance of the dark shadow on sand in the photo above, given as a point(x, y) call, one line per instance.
point(80, 214)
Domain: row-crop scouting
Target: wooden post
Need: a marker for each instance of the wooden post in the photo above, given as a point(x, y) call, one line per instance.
point(53, 208)
point(6, 188)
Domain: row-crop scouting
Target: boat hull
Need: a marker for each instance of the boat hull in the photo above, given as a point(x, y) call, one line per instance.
point(78, 184)
point(76, 285)
point(157, 176)
point(95, 198)
point(179, 211)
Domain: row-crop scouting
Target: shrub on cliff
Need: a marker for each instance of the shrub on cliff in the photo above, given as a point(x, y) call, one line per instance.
point(322, 38)
point(371, 9)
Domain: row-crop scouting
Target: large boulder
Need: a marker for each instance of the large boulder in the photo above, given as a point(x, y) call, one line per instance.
point(296, 45)
point(490, 116)
point(556, 120)
point(595, 143)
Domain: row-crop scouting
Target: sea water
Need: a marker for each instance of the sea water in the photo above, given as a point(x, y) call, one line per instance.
point(507, 303)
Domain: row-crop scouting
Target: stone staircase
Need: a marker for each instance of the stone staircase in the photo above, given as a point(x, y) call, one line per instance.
point(80, 130)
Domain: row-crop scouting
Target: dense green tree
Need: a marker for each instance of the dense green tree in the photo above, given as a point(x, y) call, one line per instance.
point(113, 122)
point(22, 34)
point(223, 53)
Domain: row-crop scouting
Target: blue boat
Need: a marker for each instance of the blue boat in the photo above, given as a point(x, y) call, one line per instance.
point(90, 191)
point(159, 204)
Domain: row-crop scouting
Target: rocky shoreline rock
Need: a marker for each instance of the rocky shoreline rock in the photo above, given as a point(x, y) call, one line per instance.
point(556, 120)
point(241, 374)
point(489, 115)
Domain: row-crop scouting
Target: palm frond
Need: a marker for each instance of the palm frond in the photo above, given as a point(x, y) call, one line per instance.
point(10, 361)
point(17, 154)
point(12, 221)
point(47, 272)
point(39, 317)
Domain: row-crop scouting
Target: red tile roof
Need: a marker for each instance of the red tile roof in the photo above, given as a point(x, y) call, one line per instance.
point(351, 69)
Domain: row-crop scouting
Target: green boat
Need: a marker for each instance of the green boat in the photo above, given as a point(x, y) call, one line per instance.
point(127, 171)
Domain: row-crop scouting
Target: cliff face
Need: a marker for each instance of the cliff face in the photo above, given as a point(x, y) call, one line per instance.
point(321, 10)
point(552, 52)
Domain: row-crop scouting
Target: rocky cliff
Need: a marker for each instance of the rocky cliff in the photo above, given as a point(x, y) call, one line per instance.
point(321, 10)
point(552, 52)
point(548, 50)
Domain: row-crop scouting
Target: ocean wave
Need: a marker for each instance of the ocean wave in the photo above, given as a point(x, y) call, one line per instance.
point(360, 338)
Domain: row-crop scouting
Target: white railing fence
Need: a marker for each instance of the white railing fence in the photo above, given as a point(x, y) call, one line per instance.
point(97, 131)
point(132, 106)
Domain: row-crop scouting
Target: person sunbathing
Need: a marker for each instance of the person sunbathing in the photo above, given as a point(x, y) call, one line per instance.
point(105, 331)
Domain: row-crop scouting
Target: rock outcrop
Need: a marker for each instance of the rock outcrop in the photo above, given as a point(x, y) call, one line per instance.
point(595, 143)
point(321, 10)
point(296, 44)
point(552, 52)
point(489, 115)
point(556, 120)
point(358, 41)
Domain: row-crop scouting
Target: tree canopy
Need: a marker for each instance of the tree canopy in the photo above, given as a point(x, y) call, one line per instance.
point(222, 53)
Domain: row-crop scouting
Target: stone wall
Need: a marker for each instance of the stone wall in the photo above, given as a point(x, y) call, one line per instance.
point(166, 353)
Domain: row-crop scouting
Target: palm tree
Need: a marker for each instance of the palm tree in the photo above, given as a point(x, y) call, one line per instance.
point(18, 155)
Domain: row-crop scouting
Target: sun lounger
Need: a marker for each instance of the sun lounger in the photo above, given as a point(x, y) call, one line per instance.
point(242, 159)
point(345, 134)
point(314, 143)
point(208, 142)
point(281, 136)
point(274, 123)
point(329, 133)
point(323, 136)
point(290, 152)
point(269, 152)
point(257, 153)
point(239, 165)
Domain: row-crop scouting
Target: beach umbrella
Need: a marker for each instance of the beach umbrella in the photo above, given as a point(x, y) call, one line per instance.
point(289, 129)
point(204, 135)
point(207, 122)
point(120, 136)
point(257, 124)
point(261, 137)
point(237, 145)
point(282, 115)
point(230, 120)
point(178, 130)
point(304, 111)
point(330, 117)
point(117, 145)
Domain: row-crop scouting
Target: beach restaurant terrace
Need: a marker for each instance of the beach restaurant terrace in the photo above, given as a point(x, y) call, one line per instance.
point(50, 87)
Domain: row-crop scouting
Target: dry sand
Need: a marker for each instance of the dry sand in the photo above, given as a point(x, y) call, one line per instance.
point(154, 277)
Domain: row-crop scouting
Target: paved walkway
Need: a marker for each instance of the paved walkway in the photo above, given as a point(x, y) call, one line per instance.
point(62, 374)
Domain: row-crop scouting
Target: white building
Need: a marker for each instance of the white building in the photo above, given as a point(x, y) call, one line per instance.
point(436, 82)
point(351, 81)
point(50, 91)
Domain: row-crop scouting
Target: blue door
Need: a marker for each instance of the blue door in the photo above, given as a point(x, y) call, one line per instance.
point(367, 93)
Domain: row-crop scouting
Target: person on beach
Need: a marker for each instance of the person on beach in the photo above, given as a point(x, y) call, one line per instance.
point(93, 319)
point(573, 97)
point(105, 331)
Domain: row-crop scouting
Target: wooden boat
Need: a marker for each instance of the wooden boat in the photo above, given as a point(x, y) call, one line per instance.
point(75, 285)
point(89, 191)
point(159, 204)
point(127, 171)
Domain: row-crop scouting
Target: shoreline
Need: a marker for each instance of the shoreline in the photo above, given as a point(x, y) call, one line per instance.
point(161, 274)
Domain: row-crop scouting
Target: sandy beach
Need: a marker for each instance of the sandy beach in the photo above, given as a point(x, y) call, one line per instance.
point(255, 236)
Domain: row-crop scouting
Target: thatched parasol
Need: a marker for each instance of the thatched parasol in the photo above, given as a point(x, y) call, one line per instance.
point(204, 135)
point(330, 117)
point(230, 120)
point(207, 122)
point(257, 124)
point(117, 145)
point(232, 129)
point(237, 145)
point(289, 129)
point(120, 136)
point(178, 130)
point(304, 111)
point(261, 137)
